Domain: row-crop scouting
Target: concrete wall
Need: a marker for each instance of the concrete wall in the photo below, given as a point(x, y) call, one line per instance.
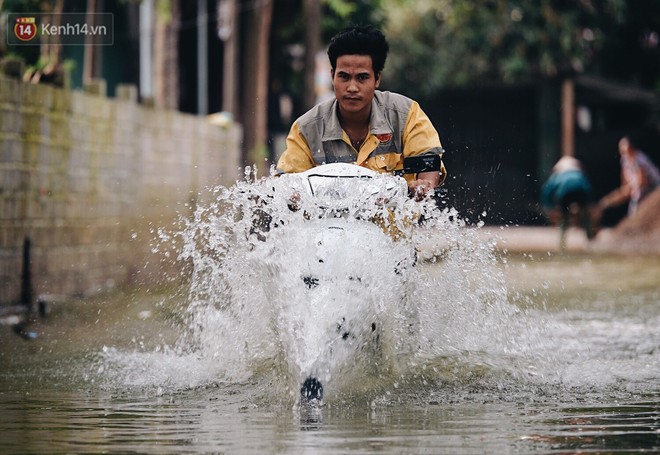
point(89, 180)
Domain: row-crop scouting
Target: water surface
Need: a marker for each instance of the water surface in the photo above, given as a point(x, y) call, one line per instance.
point(507, 354)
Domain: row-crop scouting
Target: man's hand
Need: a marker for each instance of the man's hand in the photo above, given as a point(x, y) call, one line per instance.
point(419, 188)
point(425, 183)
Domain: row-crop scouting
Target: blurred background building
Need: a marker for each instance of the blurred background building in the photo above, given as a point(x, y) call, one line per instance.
point(510, 85)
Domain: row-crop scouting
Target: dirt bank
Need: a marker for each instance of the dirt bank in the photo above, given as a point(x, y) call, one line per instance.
point(637, 234)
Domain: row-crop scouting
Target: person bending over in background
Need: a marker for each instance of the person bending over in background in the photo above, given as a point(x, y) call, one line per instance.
point(362, 125)
point(567, 193)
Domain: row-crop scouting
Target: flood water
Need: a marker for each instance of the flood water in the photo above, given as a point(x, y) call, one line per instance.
point(508, 354)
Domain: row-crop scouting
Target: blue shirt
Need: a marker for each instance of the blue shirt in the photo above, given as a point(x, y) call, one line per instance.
point(562, 183)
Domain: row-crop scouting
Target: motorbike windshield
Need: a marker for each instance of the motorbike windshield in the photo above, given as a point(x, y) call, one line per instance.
point(339, 187)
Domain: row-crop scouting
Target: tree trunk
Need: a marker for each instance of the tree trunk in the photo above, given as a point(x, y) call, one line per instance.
point(50, 50)
point(568, 118)
point(92, 53)
point(312, 46)
point(229, 34)
point(166, 54)
point(3, 43)
point(255, 92)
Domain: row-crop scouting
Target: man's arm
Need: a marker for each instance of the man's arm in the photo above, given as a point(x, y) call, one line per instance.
point(297, 157)
point(419, 136)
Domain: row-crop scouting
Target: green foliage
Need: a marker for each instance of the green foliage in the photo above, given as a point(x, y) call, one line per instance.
point(340, 13)
point(22, 6)
point(164, 11)
point(436, 43)
point(29, 54)
point(341, 8)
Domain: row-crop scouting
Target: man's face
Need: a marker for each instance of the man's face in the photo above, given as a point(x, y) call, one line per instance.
point(354, 83)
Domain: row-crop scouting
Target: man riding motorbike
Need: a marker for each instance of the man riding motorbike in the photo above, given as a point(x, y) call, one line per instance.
point(363, 125)
point(375, 129)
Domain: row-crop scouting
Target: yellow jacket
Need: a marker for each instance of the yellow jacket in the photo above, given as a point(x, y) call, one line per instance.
point(398, 128)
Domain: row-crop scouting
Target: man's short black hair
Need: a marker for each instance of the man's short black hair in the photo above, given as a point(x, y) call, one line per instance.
point(360, 40)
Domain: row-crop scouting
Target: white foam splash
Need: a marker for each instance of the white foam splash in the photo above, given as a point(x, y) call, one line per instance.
point(300, 286)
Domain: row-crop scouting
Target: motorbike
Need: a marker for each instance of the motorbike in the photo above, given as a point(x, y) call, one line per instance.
point(339, 258)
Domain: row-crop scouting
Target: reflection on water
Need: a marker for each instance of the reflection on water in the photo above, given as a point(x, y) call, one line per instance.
point(622, 428)
point(506, 354)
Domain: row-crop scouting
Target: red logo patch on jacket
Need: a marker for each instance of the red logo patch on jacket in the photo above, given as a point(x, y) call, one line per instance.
point(384, 138)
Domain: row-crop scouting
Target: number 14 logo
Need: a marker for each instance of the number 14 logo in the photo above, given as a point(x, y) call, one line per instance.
point(25, 28)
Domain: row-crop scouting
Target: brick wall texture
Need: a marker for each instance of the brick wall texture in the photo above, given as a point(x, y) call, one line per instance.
point(88, 180)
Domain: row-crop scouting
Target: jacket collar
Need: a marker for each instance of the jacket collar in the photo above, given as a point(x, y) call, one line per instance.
point(378, 123)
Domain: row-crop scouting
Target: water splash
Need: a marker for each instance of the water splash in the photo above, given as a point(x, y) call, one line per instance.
point(359, 285)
